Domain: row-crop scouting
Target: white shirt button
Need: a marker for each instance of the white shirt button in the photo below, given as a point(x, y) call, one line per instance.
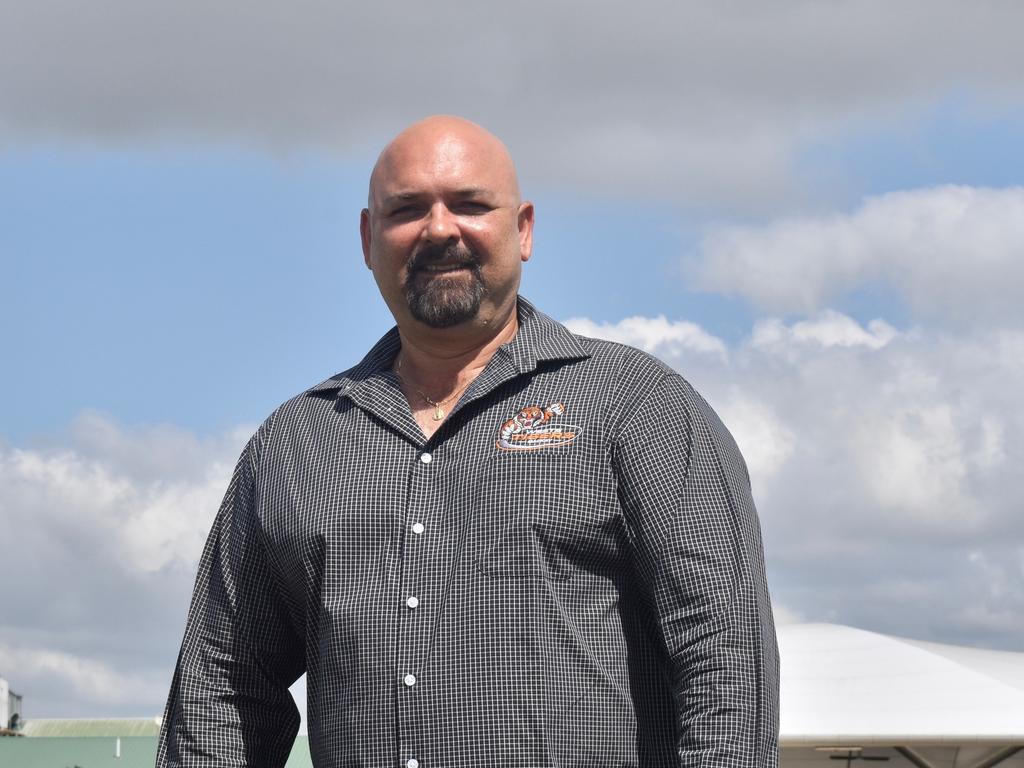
point(412, 762)
point(417, 528)
point(409, 680)
point(426, 458)
point(412, 602)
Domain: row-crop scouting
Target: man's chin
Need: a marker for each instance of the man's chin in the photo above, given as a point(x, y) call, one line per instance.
point(443, 317)
point(445, 303)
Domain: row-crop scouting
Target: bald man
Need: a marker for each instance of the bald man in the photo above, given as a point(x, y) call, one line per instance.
point(491, 542)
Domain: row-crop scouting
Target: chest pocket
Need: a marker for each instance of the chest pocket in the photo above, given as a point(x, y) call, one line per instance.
point(537, 514)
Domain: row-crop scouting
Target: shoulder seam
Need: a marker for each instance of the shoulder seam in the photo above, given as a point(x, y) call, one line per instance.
point(624, 424)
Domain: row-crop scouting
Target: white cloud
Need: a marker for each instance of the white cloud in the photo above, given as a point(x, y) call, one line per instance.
point(700, 101)
point(783, 614)
point(952, 252)
point(652, 334)
point(78, 677)
point(765, 441)
point(829, 329)
point(144, 500)
point(885, 466)
point(880, 460)
point(913, 461)
point(102, 535)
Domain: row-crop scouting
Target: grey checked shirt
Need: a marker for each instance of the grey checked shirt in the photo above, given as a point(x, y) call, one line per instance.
point(568, 573)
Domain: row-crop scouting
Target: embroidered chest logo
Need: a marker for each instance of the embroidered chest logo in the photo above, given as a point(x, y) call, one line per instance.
point(532, 428)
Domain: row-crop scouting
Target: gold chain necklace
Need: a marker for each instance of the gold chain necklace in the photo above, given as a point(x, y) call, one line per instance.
point(439, 412)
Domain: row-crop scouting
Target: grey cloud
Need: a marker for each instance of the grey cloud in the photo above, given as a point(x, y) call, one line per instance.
point(703, 102)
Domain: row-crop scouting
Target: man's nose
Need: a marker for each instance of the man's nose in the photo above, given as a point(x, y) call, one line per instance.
point(441, 225)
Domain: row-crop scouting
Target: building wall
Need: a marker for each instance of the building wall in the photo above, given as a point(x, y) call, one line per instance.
point(48, 752)
point(100, 752)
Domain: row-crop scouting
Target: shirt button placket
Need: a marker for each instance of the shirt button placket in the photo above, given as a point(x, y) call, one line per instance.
point(413, 624)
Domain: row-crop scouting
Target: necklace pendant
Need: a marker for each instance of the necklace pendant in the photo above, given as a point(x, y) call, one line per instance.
point(438, 413)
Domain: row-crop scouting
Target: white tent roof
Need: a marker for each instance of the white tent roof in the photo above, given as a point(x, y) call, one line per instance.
point(845, 686)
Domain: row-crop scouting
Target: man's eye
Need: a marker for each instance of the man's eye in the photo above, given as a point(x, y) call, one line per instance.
point(472, 207)
point(405, 211)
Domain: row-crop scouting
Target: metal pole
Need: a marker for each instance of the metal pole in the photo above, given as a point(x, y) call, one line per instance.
point(997, 757)
point(917, 759)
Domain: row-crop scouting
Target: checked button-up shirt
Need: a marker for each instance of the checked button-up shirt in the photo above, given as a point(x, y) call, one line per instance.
point(568, 573)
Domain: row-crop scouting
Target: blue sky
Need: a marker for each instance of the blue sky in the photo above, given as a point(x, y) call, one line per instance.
point(815, 212)
point(148, 278)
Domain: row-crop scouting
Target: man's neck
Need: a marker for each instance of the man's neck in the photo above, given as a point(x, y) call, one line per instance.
point(435, 366)
point(439, 360)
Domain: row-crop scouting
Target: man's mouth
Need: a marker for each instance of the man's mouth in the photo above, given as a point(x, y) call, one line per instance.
point(442, 268)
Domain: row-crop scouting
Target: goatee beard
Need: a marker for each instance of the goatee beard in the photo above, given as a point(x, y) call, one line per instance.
point(441, 302)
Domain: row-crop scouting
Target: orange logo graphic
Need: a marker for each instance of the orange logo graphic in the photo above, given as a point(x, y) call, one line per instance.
point(531, 429)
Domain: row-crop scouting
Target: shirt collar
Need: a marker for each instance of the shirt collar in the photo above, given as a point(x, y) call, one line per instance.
point(538, 339)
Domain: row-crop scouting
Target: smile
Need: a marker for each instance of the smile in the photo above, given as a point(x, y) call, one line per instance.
point(442, 268)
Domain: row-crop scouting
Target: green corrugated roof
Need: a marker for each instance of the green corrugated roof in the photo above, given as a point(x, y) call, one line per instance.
point(135, 726)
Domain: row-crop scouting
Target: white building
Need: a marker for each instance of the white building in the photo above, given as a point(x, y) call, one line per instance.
point(851, 697)
point(10, 705)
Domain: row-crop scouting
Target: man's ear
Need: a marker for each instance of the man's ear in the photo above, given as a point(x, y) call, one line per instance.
point(524, 221)
point(364, 235)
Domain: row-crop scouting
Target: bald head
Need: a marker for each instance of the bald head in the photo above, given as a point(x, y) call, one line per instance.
point(445, 232)
point(444, 145)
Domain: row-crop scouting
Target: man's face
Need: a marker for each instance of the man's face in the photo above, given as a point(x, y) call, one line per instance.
point(446, 234)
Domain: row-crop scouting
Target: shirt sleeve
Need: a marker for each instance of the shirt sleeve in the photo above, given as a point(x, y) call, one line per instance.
point(698, 557)
point(229, 703)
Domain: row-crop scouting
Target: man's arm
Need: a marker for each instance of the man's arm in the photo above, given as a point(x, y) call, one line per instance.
point(229, 702)
point(698, 556)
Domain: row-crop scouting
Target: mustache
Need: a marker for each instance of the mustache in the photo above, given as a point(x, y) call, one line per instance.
point(452, 253)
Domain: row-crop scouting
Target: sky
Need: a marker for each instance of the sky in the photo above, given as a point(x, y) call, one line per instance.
point(814, 211)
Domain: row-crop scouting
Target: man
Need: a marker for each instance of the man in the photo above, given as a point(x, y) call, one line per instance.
point(491, 542)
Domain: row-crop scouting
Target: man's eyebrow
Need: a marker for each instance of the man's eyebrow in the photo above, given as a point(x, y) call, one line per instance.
point(401, 197)
point(471, 192)
point(463, 193)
